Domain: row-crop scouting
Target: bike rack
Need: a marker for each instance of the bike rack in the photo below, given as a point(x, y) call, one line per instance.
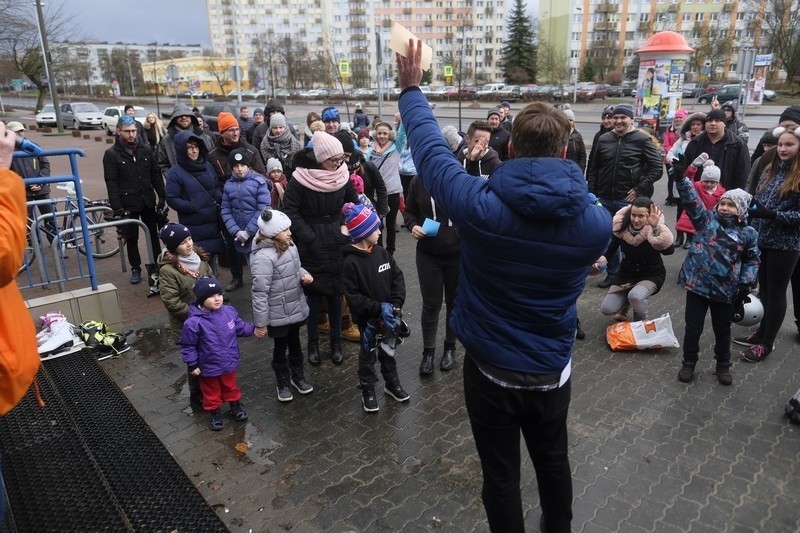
point(113, 223)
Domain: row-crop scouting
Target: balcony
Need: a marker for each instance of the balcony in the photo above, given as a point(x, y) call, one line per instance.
point(727, 8)
point(644, 26)
point(448, 11)
point(603, 43)
point(386, 23)
point(428, 23)
point(358, 11)
point(605, 26)
point(406, 11)
point(358, 24)
point(673, 8)
point(606, 8)
point(360, 37)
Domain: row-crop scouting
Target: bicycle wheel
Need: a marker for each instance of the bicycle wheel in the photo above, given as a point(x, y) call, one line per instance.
point(29, 254)
point(104, 240)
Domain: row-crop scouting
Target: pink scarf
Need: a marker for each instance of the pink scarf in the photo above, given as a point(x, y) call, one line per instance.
point(322, 180)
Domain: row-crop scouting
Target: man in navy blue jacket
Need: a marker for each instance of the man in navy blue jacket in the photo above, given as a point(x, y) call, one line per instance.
point(528, 237)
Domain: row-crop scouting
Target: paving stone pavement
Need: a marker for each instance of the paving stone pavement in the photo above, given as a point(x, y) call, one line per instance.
point(648, 453)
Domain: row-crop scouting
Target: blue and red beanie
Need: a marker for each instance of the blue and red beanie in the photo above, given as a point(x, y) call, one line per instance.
point(361, 221)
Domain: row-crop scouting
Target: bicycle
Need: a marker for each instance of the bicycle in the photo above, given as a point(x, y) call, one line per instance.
point(65, 216)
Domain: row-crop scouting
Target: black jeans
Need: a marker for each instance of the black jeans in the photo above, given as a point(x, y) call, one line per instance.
point(366, 365)
point(438, 276)
point(233, 256)
point(695, 316)
point(148, 216)
point(777, 269)
point(405, 181)
point(292, 342)
point(391, 222)
point(497, 416)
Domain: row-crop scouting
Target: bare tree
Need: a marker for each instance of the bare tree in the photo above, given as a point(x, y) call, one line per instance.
point(19, 39)
point(781, 35)
point(713, 46)
point(219, 69)
point(552, 64)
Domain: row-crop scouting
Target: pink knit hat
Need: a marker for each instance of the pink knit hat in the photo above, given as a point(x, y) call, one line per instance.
point(680, 113)
point(325, 146)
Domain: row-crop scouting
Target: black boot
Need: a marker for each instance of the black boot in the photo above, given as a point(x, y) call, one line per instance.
point(426, 366)
point(282, 385)
point(579, 334)
point(688, 243)
point(298, 380)
point(448, 357)
point(336, 352)
point(679, 239)
point(313, 353)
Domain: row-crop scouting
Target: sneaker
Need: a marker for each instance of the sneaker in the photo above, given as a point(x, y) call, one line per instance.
point(368, 399)
point(284, 392)
point(723, 373)
point(755, 354)
point(136, 277)
point(686, 373)
point(395, 390)
point(238, 412)
point(751, 339)
point(351, 334)
point(216, 420)
point(299, 382)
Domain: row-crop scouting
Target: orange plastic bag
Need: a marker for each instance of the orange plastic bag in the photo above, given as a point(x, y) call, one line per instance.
point(643, 335)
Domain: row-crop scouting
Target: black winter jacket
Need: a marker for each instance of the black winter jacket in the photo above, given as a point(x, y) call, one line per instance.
point(576, 149)
point(623, 163)
point(132, 182)
point(370, 279)
point(420, 206)
point(730, 154)
point(498, 140)
point(218, 157)
point(33, 167)
point(375, 187)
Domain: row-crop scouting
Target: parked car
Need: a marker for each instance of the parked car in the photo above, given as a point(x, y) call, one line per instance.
point(692, 90)
point(628, 88)
point(711, 87)
point(770, 95)
point(210, 113)
point(509, 92)
point(489, 91)
point(47, 116)
point(615, 91)
point(79, 115)
point(207, 95)
point(111, 116)
point(725, 94)
point(592, 91)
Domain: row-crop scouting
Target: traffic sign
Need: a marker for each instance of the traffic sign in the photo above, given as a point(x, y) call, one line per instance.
point(172, 72)
point(236, 73)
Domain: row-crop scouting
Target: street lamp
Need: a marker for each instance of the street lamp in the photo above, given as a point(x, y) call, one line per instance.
point(45, 58)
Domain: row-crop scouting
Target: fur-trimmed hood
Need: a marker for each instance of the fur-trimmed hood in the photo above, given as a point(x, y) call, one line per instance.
point(662, 241)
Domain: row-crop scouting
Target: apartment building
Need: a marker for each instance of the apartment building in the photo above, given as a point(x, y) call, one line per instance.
point(465, 34)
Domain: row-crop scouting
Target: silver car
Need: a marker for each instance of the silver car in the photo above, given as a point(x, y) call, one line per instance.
point(79, 115)
point(47, 116)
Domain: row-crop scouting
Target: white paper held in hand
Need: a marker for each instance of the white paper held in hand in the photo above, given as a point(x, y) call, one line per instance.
point(399, 44)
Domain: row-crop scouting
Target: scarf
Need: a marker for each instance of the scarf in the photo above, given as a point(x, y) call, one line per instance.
point(189, 265)
point(130, 148)
point(280, 146)
point(322, 180)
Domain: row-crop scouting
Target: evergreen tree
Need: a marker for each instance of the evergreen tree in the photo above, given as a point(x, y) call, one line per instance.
point(519, 52)
point(632, 70)
point(588, 73)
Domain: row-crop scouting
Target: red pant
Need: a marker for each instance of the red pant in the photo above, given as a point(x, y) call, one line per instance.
point(218, 389)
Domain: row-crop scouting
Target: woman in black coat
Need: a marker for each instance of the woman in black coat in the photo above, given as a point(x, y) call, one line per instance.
point(313, 201)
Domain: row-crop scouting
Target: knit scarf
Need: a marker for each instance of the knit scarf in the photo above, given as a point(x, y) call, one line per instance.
point(322, 180)
point(130, 148)
point(189, 265)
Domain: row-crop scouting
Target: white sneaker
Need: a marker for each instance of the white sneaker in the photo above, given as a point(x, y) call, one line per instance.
point(61, 337)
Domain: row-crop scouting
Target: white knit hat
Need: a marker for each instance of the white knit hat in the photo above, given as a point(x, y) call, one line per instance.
point(273, 164)
point(325, 146)
point(710, 172)
point(271, 222)
point(451, 136)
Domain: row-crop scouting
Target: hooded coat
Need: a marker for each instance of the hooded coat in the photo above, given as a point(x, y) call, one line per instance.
point(528, 237)
point(242, 202)
point(165, 152)
point(278, 297)
point(730, 154)
point(176, 288)
point(195, 194)
point(208, 339)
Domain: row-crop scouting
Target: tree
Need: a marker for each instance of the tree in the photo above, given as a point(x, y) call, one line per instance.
point(588, 73)
point(713, 46)
point(519, 52)
point(219, 69)
point(552, 65)
point(19, 39)
point(781, 35)
point(632, 70)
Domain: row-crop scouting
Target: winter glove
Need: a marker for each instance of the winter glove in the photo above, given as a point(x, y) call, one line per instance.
point(387, 315)
point(759, 211)
point(678, 165)
point(368, 339)
point(700, 160)
point(242, 236)
point(742, 292)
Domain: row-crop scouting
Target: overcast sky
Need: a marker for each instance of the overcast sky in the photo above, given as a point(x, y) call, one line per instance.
point(145, 21)
point(138, 21)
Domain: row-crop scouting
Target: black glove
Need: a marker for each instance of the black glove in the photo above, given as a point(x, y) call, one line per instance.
point(742, 292)
point(759, 211)
point(679, 166)
point(161, 205)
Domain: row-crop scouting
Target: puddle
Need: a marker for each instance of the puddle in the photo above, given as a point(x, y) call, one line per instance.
point(251, 445)
point(153, 343)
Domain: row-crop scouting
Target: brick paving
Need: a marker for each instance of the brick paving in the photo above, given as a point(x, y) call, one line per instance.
point(648, 453)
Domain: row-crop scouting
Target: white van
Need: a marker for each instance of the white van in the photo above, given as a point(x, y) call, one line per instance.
point(489, 90)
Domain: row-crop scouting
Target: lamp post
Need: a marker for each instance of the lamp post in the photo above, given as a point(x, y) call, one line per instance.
point(46, 58)
point(573, 78)
point(130, 73)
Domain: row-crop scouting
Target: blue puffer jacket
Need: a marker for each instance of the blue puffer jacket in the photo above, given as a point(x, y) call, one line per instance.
point(208, 339)
point(724, 253)
point(242, 202)
point(194, 193)
point(528, 237)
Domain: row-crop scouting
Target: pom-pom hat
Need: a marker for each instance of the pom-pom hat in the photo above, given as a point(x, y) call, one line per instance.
point(361, 221)
point(272, 222)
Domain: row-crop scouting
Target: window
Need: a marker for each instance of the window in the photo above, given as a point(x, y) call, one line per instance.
point(687, 17)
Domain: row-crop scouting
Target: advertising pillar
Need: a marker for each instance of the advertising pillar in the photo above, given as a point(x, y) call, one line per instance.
point(662, 64)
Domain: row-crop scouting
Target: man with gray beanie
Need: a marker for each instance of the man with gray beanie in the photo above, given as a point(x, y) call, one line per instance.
point(626, 164)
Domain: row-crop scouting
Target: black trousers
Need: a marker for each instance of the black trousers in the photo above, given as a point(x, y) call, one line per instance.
point(695, 316)
point(438, 276)
point(391, 222)
point(776, 271)
point(148, 216)
point(366, 365)
point(280, 363)
point(497, 416)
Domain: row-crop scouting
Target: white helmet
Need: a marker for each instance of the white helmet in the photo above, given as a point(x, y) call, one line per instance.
point(749, 313)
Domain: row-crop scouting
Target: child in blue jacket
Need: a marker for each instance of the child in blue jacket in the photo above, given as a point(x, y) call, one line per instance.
point(721, 266)
point(243, 198)
point(210, 349)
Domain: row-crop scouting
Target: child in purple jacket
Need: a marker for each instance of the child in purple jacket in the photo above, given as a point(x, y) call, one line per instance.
point(210, 349)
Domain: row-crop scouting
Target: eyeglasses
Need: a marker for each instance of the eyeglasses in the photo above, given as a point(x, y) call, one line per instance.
point(336, 161)
point(128, 131)
point(193, 147)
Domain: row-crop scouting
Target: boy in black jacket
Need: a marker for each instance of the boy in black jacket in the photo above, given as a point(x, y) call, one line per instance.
point(375, 290)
